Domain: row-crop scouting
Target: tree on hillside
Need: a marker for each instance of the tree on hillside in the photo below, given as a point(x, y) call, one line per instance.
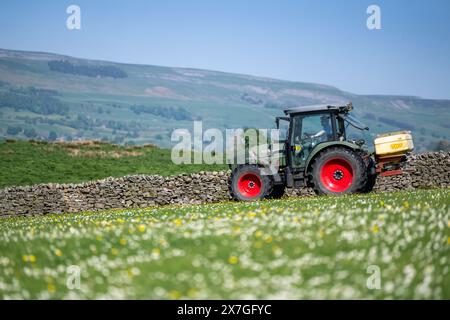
point(13, 130)
point(32, 99)
point(65, 66)
point(118, 139)
point(30, 133)
point(52, 136)
point(443, 145)
point(176, 113)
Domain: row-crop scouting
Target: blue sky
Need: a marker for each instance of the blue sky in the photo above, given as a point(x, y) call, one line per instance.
point(322, 41)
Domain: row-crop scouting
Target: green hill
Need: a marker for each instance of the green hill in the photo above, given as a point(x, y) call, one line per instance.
point(70, 98)
point(32, 162)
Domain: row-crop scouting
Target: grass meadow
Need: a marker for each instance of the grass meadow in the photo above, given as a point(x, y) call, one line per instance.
point(296, 248)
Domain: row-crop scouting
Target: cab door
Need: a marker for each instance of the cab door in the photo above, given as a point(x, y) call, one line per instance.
point(306, 133)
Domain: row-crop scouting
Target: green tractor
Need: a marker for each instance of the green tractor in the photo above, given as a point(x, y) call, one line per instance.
point(316, 153)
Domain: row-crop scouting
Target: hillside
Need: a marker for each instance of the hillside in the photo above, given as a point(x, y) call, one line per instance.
point(33, 162)
point(49, 96)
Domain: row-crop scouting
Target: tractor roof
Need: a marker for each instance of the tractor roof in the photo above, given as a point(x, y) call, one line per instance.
point(318, 107)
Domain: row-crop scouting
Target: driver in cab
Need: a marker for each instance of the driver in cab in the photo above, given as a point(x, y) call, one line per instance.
point(326, 133)
point(305, 142)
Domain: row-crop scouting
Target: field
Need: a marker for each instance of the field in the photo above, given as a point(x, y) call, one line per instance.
point(318, 247)
point(27, 163)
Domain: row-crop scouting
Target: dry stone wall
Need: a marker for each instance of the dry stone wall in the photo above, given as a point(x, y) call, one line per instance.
point(425, 170)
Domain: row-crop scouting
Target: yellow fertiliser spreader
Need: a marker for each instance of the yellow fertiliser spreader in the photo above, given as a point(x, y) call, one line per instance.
point(390, 151)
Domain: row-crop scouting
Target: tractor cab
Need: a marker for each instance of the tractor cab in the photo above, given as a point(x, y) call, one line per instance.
point(314, 125)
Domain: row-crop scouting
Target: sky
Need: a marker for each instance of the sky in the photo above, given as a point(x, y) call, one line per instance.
point(321, 41)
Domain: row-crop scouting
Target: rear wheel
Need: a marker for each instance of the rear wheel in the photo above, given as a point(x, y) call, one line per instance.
point(248, 184)
point(339, 171)
point(371, 181)
point(371, 178)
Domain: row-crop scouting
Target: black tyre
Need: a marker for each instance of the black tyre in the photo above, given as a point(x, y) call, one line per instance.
point(371, 178)
point(277, 192)
point(248, 184)
point(338, 171)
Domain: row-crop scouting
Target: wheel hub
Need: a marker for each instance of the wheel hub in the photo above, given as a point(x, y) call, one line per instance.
point(338, 175)
point(250, 185)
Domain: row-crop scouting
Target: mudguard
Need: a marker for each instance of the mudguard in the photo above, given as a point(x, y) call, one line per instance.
point(325, 145)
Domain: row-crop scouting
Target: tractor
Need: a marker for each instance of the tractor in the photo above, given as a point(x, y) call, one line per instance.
point(317, 154)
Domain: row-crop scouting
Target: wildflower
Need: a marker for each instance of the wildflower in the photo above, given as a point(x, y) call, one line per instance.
point(123, 242)
point(141, 228)
point(174, 294)
point(156, 252)
point(29, 258)
point(276, 251)
point(192, 293)
point(375, 228)
point(233, 260)
point(258, 234)
point(133, 272)
point(178, 222)
point(51, 287)
point(58, 253)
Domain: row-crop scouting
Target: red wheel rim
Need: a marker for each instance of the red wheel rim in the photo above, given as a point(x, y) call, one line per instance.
point(337, 175)
point(249, 185)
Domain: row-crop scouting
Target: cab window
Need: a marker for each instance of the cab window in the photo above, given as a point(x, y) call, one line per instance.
point(307, 132)
point(316, 128)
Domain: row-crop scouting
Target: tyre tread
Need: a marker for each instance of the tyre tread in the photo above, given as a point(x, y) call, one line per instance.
point(361, 182)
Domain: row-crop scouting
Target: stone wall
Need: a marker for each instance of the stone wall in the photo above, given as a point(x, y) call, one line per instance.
point(425, 170)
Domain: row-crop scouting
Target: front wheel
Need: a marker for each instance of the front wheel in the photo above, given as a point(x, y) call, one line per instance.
point(248, 184)
point(339, 171)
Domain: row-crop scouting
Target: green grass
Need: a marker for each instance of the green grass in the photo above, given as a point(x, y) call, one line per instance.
point(318, 247)
point(26, 163)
